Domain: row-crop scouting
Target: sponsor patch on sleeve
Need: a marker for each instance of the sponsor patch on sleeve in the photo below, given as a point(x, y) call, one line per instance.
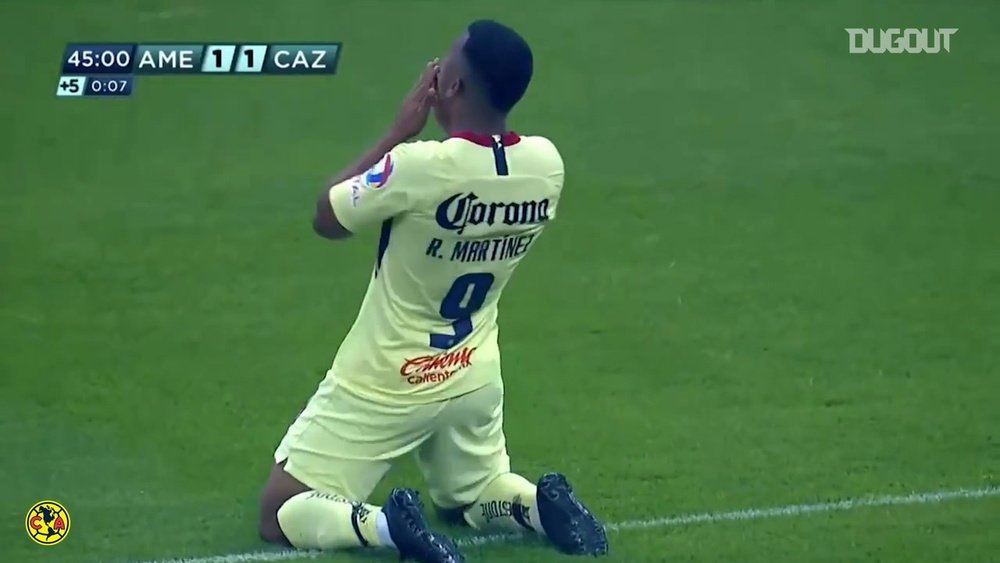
point(377, 176)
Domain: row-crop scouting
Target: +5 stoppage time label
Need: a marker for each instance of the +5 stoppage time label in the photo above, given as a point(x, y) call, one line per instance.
point(110, 69)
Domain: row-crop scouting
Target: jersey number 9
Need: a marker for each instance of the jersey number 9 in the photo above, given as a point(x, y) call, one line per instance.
point(465, 297)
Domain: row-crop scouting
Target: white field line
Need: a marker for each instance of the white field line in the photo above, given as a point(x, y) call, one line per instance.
point(934, 497)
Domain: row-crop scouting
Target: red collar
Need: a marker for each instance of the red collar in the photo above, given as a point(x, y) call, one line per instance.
point(507, 139)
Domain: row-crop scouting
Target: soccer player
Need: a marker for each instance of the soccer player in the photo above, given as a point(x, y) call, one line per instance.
point(419, 371)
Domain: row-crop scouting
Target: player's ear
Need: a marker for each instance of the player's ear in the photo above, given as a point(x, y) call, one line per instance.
point(454, 88)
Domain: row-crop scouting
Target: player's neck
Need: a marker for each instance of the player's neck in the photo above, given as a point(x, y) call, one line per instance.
point(480, 125)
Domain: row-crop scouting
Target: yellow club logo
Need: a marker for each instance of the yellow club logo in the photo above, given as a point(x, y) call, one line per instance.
point(47, 522)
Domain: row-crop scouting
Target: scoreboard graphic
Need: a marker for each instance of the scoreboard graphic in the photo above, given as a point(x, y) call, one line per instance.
point(111, 69)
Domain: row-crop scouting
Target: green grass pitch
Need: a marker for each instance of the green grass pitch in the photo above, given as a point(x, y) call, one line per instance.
point(775, 277)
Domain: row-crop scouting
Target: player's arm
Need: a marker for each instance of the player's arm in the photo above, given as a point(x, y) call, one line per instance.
point(397, 183)
point(325, 222)
point(328, 221)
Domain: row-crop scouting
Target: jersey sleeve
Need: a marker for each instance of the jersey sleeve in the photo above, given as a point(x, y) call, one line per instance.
point(396, 184)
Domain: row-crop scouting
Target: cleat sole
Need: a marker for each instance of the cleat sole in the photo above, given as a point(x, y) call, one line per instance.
point(569, 525)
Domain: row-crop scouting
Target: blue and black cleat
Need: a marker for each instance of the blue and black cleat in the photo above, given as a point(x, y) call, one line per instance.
point(569, 525)
point(404, 513)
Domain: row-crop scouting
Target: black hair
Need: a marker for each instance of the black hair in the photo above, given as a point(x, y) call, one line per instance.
point(501, 60)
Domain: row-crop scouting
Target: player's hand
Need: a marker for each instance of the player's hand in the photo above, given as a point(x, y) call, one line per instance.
point(412, 116)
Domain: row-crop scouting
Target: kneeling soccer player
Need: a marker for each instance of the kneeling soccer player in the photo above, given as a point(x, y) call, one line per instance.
point(419, 372)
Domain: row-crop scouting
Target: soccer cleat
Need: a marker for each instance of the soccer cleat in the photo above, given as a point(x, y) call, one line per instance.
point(404, 513)
point(572, 528)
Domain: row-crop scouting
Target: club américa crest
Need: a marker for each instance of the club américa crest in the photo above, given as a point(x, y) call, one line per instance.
point(47, 522)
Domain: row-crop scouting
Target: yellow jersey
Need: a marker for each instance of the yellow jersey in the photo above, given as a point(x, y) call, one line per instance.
point(457, 217)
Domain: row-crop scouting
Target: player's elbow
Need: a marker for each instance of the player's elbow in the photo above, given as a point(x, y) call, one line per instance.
point(325, 223)
point(330, 230)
